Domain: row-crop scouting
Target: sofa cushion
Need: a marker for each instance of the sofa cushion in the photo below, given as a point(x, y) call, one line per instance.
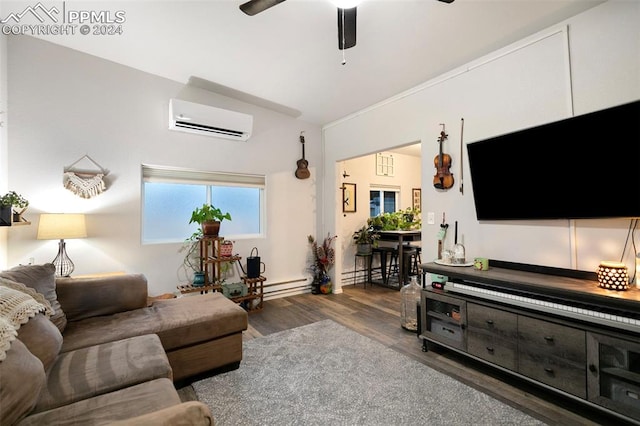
point(118, 293)
point(22, 377)
point(179, 322)
point(42, 338)
point(104, 368)
point(103, 409)
point(42, 279)
point(189, 413)
point(16, 308)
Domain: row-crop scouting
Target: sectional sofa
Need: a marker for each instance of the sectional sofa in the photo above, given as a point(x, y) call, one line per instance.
point(95, 351)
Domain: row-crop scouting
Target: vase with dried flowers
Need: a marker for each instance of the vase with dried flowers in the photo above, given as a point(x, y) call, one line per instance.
point(323, 258)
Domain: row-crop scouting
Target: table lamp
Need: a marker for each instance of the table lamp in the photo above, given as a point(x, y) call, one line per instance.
point(54, 226)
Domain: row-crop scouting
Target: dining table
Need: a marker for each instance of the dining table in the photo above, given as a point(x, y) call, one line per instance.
point(400, 237)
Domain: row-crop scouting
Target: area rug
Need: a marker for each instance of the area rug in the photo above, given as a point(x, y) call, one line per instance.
point(326, 374)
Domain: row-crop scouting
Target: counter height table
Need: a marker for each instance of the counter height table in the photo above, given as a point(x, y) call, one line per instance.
point(400, 237)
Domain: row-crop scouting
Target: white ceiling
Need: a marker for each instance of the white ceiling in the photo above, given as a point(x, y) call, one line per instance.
point(288, 55)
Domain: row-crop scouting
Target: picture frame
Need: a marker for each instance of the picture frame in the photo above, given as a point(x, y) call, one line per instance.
point(416, 196)
point(348, 197)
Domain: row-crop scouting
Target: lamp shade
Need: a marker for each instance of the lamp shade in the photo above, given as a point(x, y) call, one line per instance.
point(60, 226)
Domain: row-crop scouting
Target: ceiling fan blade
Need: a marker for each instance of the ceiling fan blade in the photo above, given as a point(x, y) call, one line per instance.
point(446, 1)
point(253, 7)
point(346, 28)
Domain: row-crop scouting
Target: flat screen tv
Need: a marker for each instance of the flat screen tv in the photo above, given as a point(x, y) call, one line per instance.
point(583, 167)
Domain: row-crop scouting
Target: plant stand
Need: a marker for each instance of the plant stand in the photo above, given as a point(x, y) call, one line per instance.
point(211, 260)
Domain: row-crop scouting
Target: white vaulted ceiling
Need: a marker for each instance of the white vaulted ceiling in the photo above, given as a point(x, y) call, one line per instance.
point(289, 53)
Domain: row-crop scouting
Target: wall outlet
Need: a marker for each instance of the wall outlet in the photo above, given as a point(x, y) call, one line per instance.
point(431, 218)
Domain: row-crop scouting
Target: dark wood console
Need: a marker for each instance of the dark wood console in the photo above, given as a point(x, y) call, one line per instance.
point(553, 327)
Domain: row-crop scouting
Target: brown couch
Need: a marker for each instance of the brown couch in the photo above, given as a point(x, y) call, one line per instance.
point(94, 351)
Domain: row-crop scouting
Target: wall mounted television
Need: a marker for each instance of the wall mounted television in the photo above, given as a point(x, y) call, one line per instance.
point(583, 167)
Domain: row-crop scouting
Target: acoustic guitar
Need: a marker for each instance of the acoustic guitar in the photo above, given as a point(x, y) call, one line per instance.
point(302, 172)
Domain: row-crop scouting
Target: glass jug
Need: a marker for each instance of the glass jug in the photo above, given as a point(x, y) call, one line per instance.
point(410, 299)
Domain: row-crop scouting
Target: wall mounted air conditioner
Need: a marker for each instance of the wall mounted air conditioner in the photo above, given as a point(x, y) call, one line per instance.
point(207, 120)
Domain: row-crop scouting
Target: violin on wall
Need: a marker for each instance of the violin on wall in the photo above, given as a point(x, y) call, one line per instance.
point(443, 179)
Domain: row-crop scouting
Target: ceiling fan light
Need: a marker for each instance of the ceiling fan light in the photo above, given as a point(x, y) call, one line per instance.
point(346, 4)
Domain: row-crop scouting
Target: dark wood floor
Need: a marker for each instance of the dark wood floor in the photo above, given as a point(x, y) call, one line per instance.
point(375, 312)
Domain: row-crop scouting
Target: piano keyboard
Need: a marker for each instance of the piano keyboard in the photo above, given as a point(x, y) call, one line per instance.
point(616, 320)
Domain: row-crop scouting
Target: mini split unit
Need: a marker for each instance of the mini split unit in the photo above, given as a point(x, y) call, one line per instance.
point(207, 120)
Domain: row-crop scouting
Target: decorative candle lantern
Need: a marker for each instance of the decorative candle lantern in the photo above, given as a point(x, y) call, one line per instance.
point(613, 276)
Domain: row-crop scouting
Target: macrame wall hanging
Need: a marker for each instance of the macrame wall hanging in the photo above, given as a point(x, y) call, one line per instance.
point(85, 183)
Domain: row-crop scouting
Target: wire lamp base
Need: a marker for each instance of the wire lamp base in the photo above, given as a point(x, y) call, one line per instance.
point(64, 265)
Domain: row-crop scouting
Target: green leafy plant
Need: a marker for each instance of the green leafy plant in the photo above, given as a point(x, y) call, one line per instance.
point(191, 248)
point(365, 235)
point(401, 220)
point(14, 199)
point(208, 213)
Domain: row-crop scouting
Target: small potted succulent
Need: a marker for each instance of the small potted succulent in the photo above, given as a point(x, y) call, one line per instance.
point(209, 217)
point(226, 248)
point(12, 206)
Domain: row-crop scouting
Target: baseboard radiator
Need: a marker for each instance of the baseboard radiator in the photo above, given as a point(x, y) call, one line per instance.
point(287, 288)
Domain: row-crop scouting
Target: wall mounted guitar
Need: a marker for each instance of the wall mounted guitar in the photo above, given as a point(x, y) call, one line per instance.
point(302, 172)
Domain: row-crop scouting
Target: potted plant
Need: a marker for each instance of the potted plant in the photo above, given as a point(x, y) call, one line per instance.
point(12, 206)
point(407, 219)
point(226, 248)
point(191, 260)
point(209, 218)
point(323, 258)
point(364, 238)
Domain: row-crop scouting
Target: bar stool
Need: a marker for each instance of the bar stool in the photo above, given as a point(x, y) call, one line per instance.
point(416, 260)
point(365, 260)
point(410, 263)
point(386, 253)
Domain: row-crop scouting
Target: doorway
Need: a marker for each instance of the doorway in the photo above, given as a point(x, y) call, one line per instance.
point(377, 182)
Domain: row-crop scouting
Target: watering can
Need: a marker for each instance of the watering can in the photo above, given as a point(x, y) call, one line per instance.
point(254, 266)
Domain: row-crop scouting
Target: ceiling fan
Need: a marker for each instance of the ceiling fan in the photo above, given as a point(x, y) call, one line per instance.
point(347, 11)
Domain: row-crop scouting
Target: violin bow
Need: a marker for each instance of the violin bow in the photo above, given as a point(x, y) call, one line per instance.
point(461, 155)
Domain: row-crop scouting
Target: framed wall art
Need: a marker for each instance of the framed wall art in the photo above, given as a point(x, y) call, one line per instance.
point(348, 197)
point(417, 198)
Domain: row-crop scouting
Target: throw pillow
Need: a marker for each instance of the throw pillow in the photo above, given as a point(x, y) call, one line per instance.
point(16, 308)
point(43, 339)
point(42, 279)
point(31, 292)
point(23, 378)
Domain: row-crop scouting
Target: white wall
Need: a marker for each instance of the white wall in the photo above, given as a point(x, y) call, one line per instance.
point(65, 104)
point(587, 63)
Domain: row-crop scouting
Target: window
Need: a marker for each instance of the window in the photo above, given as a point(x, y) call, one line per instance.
point(383, 200)
point(169, 195)
point(384, 165)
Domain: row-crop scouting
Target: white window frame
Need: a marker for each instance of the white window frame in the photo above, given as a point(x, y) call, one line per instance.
point(177, 175)
point(382, 189)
